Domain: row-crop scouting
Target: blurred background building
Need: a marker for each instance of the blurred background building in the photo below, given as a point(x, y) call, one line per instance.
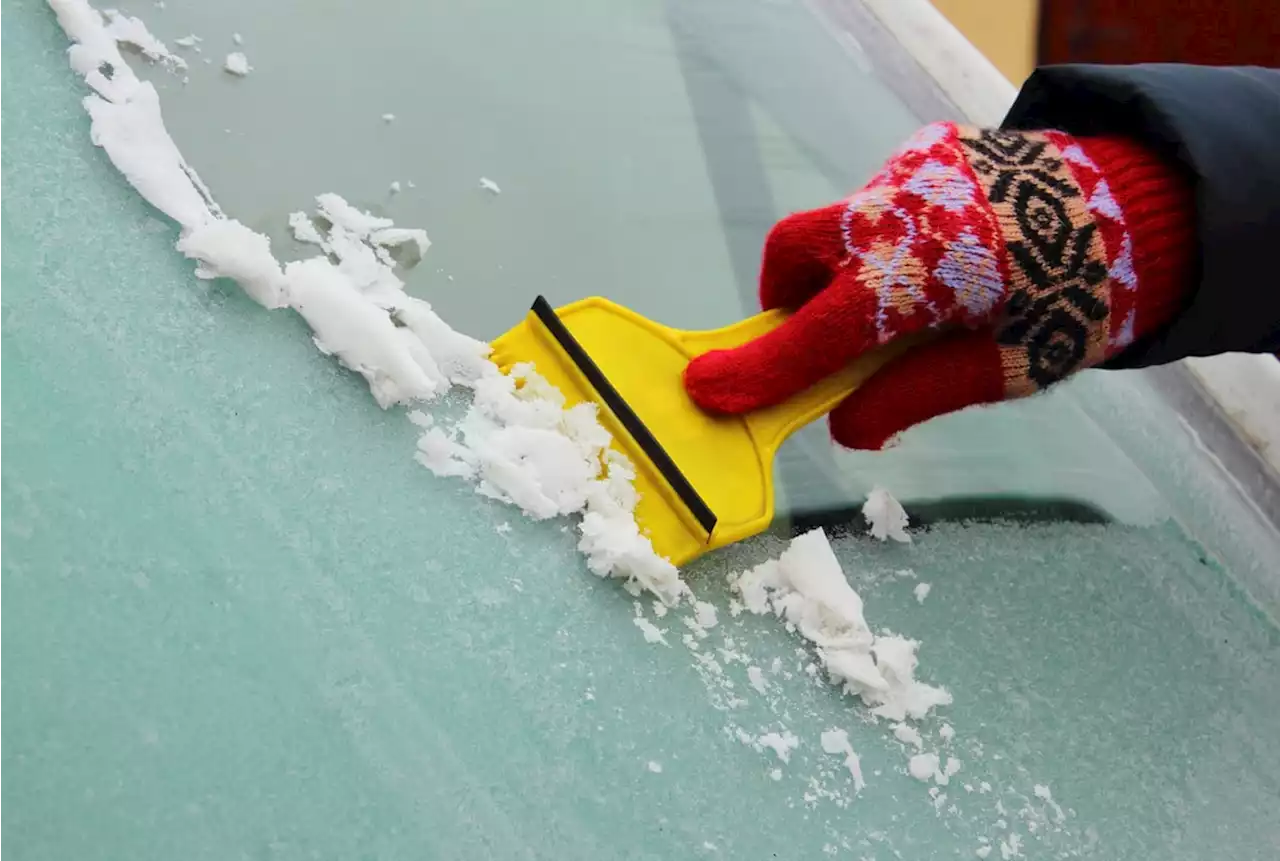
point(1017, 35)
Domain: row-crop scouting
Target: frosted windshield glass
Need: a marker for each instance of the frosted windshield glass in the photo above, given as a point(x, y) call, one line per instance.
point(243, 622)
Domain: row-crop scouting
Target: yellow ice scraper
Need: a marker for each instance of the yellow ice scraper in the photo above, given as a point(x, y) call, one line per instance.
point(704, 481)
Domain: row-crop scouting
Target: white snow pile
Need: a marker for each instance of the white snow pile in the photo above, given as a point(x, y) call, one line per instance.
point(237, 64)
point(806, 588)
point(517, 442)
point(929, 766)
point(885, 516)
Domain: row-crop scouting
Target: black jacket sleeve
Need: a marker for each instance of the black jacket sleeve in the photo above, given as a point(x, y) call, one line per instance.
point(1223, 126)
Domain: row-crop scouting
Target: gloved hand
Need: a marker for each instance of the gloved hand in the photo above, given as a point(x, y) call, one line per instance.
point(1035, 254)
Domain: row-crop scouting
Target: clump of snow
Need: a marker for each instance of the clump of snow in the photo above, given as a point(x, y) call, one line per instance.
point(398, 367)
point(836, 742)
point(923, 766)
point(188, 41)
point(781, 743)
point(438, 452)
point(806, 588)
point(929, 766)
point(394, 188)
point(237, 38)
point(946, 732)
point(388, 118)
point(921, 591)
point(489, 185)
point(362, 244)
point(755, 676)
point(655, 767)
point(886, 517)
point(225, 248)
point(908, 735)
point(237, 64)
point(903, 696)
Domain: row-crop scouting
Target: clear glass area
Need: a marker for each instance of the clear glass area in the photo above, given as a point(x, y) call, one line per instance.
point(243, 623)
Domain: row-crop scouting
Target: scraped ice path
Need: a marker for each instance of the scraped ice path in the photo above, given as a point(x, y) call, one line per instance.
point(517, 441)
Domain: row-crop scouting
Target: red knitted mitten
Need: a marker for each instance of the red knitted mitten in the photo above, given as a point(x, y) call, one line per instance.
point(1037, 253)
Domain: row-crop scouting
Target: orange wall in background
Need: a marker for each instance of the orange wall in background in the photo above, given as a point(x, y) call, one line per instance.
point(1003, 30)
point(1215, 32)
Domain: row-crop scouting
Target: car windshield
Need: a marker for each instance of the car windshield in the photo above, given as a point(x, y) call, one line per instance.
point(244, 622)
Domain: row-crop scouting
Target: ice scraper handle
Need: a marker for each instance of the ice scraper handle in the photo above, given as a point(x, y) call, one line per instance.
point(1026, 255)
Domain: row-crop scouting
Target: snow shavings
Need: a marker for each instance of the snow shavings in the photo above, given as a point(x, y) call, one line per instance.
point(929, 766)
point(1042, 792)
point(923, 766)
point(362, 243)
point(130, 129)
point(126, 121)
point(362, 336)
point(489, 185)
point(132, 31)
point(237, 64)
point(192, 41)
point(836, 743)
point(781, 743)
point(224, 248)
point(704, 618)
point(806, 588)
point(908, 735)
point(885, 516)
